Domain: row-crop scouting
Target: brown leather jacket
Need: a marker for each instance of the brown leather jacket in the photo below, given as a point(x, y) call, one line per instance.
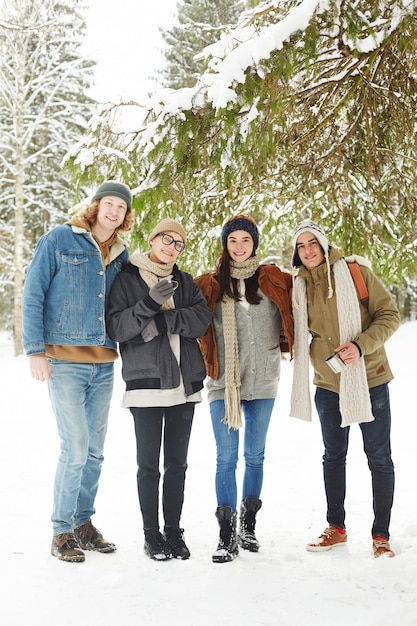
point(274, 284)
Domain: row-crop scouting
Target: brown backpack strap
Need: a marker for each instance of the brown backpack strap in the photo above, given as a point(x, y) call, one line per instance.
point(359, 282)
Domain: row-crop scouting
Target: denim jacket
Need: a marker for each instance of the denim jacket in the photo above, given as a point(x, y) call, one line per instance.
point(64, 296)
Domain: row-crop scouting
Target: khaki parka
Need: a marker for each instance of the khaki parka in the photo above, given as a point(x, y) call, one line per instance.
point(379, 321)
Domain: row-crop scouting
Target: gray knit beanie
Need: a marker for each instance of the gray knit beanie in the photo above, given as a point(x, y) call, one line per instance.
point(113, 188)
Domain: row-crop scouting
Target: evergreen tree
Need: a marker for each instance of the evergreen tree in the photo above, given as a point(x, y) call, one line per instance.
point(43, 111)
point(200, 23)
point(306, 109)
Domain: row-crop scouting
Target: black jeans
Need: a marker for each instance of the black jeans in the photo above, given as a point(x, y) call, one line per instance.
point(376, 443)
point(174, 423)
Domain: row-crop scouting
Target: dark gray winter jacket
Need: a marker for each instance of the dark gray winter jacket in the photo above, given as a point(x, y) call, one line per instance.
point(153, 365)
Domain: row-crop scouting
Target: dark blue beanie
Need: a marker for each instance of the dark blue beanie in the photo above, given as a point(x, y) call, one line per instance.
point(240, 222)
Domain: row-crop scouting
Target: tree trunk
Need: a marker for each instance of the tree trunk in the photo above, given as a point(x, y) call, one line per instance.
point(19, 210)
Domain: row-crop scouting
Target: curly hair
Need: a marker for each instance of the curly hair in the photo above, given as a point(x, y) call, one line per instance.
point(89, 213)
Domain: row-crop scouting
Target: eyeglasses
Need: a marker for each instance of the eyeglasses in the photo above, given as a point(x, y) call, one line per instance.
point(168, 240)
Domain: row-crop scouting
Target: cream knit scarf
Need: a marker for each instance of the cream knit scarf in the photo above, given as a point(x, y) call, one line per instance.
point(354, 400)
point(151, 272)
point(233, 410)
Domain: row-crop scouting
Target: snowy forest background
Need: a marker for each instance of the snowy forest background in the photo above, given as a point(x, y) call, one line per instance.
point(279, 109)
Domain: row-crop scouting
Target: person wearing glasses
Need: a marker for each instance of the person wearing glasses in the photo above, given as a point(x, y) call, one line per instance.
point(252, 323)
point(156, 312)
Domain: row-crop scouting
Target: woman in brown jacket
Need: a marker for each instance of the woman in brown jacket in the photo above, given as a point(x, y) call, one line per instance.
point(252, 323)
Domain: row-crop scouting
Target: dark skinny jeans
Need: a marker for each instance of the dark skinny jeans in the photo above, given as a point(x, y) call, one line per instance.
point(173, 425)
point(377, 447)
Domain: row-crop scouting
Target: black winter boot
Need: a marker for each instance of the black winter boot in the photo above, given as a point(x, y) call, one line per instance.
point(175, 544)
point(155, 547)
point(227, 550)
point(248, 510)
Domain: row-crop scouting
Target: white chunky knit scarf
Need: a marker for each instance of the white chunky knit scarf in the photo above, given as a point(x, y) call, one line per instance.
point(233, 410)
point(151, 272)
point(354, 400)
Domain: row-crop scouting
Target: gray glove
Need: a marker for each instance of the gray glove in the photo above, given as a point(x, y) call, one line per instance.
point(162, 291)
point(150, 331)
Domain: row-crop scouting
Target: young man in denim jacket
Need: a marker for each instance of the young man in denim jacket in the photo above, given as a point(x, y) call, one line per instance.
point(65, 338)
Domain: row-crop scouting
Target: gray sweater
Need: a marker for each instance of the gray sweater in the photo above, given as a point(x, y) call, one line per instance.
point(258, 330)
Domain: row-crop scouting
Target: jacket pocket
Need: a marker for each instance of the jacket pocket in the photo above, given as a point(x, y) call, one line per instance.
point(273, 365)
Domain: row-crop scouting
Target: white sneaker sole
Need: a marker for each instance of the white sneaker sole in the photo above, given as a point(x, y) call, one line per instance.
point(312, 547)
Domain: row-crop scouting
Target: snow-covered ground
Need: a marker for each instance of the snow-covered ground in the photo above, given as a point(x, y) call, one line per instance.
point(282, 585)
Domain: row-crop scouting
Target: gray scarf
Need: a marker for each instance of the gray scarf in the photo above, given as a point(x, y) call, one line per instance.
point(354, 400)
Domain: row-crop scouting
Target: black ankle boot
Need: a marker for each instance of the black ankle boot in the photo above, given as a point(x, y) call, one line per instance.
point(227, 549)
point(175, 544)
point(155, 547)
point(248, 510)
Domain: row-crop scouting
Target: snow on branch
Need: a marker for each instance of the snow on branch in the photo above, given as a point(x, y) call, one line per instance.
point(249, 46)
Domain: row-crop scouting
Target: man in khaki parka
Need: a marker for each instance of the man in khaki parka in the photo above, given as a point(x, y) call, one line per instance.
point(351, 374)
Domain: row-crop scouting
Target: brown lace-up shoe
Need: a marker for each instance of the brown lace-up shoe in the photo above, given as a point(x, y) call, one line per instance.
point(89, 538)
point(66, 548)
point(381, 547)
point(330, 538)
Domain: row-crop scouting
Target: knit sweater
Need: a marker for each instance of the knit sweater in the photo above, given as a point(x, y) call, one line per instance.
point(258, 331)
point(263, 331)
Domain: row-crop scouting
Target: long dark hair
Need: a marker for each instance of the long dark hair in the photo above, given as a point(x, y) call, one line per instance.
point(229, 286)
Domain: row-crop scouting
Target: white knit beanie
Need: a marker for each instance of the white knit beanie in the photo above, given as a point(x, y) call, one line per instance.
point(308, 226)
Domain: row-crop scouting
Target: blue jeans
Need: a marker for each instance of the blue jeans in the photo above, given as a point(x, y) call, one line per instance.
point(173, 425)
point(80, 394)
point(257, 414)
point(377, 446)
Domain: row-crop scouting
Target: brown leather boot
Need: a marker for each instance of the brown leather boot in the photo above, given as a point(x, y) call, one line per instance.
point(65, 547)
point(89, 538)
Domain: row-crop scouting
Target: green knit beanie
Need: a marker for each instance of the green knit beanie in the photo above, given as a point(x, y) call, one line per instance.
point(113, 188)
